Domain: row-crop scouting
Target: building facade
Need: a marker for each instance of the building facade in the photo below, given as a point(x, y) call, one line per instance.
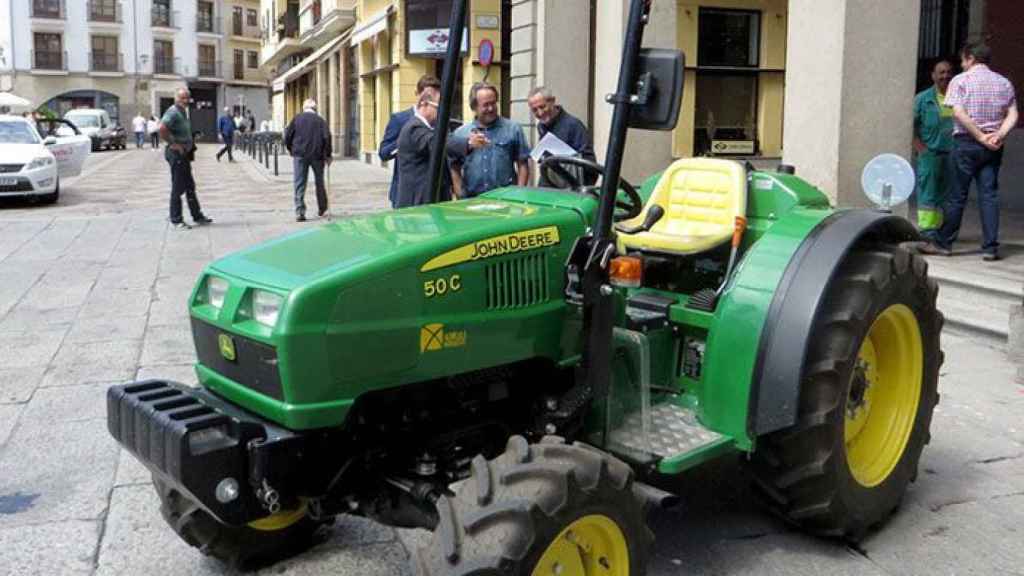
point(361, 59)
point(824, 85)
point(130, 57)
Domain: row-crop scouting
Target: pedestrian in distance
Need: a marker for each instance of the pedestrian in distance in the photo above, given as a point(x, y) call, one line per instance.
point(239, 122)
point(176, 130)
point(308, 140)
point(569, 129)
point(489, 152)
point(153, 129)
point(251, 120)
point(388, 149)
point(985, 110)
point(415, 144)
point(139, 127)
point(226, 130)
point(933, 143)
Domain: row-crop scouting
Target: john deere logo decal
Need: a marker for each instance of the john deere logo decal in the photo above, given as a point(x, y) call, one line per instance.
point(496, 246)
point(434, 337)
point(227, 347)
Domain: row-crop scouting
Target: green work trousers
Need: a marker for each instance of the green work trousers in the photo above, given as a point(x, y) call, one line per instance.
point(932, 183)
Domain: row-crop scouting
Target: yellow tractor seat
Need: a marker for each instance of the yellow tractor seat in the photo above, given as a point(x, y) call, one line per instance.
point(701, 198)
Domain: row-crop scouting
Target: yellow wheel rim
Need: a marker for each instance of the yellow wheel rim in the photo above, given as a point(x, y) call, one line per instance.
point(280, 520)
point(592, 545)
point(884, 392)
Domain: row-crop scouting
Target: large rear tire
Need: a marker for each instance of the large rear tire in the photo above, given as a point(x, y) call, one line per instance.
point(260, 543)
point(540, 510)
point(868, 391)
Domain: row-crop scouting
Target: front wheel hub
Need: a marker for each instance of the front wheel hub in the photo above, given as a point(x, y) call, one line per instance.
point(590, 546)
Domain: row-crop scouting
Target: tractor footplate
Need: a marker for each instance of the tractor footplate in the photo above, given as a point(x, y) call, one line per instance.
point(672, 430)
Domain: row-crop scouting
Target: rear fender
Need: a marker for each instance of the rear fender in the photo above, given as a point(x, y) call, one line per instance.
point(775, 392)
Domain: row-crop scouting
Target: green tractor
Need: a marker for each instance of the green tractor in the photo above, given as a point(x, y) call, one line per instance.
point(510, 371)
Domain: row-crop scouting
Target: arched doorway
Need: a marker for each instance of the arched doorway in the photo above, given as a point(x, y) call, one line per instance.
point(61, 103)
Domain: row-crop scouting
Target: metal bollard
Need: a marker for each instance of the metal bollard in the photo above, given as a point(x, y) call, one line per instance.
point(276, 151)
point(259, 149)
point(266, 153)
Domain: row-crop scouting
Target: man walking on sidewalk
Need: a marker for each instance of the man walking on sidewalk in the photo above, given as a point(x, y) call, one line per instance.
point(985, 110)
point(308, 140)
point(226, 128)
point(176, 130)
point(139, 127)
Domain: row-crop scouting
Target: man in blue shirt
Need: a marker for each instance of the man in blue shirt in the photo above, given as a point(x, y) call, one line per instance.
point(489, 152)
point(388, 149)
point(226, 129)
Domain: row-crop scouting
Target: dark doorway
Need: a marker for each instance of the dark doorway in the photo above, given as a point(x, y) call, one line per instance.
point(203, 111)
point(944, 27)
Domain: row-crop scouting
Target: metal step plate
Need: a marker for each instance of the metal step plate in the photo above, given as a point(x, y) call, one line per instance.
point(673, 430)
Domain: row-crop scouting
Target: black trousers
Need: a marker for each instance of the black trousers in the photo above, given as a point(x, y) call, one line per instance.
point(227, 148)
point(182, 183)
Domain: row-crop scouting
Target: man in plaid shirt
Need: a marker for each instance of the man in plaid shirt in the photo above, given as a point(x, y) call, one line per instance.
point(985, 110)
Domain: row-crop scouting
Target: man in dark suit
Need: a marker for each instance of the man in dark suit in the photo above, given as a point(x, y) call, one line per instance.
point(415, 143)
point(388, 149)
point(308, 141)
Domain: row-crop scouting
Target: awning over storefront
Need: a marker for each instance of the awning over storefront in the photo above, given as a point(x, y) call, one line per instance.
point(372, 26)
point(308, 62)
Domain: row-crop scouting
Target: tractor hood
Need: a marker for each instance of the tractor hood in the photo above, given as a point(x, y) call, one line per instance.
point(367, 245)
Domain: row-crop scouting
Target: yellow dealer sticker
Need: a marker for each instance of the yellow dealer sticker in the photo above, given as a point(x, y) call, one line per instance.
point(435, 337)
point(496, 246)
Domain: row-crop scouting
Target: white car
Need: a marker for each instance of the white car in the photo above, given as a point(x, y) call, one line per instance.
point(71, 148)
point(29, 165)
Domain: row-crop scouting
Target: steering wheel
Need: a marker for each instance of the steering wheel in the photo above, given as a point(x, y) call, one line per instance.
point(624, 209)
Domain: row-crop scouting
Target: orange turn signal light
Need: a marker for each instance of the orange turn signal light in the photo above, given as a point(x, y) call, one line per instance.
point(626, 271)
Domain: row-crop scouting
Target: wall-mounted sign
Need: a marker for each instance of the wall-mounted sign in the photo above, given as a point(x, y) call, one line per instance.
point(433, 42)
point(485, 53)
point(426, 23)
point(487, 21)
point(732, 146)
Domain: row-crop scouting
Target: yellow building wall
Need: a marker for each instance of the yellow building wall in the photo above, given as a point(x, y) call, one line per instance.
point(771, 81)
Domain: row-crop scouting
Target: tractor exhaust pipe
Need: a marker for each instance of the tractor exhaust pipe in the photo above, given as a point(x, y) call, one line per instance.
point(654, 497)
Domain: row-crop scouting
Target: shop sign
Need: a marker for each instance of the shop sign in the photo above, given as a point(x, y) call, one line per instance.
point(433, 41)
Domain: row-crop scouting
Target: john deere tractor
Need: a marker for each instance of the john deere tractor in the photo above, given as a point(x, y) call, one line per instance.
point(510, 371)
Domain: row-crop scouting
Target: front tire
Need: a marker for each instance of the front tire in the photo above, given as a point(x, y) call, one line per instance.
point(257, 544)
point(548, 508)
point(869, 388)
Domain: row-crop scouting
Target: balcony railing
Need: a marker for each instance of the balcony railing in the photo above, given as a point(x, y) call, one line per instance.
point(165, 18)
point(47, 9)
point(288, 23)
point(211, 25)
point(104, 11)
point(167, 65)
point(238, 72)
point(105, 62)
point(210, 69)
point(49, 60)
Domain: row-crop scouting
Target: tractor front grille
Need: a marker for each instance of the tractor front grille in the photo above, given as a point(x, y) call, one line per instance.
point(254, 365)
point(517, 282)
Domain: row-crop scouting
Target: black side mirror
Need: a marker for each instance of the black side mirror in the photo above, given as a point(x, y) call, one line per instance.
point(654, 213)
point(659, 89)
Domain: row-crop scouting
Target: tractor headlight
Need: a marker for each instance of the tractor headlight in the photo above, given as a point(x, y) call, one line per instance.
point(39, 162)
point(216, 290)
point(265, 307)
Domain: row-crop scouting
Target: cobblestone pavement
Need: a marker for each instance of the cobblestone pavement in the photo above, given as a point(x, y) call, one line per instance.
point(93, 291)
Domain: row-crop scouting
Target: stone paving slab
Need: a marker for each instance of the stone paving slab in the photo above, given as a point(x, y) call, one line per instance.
point(61, 548)
point(9, 414)
point(65, 468)
point(18, 384)
point(83, 363)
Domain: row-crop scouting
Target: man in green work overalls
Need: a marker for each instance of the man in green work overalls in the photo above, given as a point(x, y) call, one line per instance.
point(933, 141)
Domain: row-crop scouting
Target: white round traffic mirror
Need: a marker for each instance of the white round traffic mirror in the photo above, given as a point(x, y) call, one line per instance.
point(888, 180)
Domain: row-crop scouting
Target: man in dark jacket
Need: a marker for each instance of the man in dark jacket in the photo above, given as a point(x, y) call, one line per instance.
point(308, 140)
point(226, 129)
point(388, 149)
point(415, 143)
point(552, 118)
